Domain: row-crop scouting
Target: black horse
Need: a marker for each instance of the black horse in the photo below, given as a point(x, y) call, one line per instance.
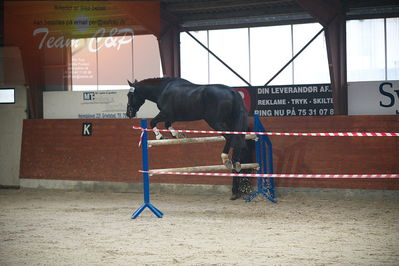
point(180, 100)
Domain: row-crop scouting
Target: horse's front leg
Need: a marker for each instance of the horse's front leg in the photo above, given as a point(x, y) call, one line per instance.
point(159, 118)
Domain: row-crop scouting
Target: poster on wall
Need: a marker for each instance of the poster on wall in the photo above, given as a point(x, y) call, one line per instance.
point(91, 105)
point(291, 100)
point(373, 98)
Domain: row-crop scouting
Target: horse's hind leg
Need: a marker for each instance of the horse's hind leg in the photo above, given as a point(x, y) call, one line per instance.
point(225, 154)
point(236, 158)
point(234, 163)
point(174, 134)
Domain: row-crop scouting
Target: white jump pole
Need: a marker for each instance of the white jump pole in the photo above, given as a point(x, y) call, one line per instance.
point(205, 168)
point(162, 142)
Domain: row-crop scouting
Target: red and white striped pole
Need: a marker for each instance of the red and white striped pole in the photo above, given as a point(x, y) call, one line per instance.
point(335, 176)
point(310, 134)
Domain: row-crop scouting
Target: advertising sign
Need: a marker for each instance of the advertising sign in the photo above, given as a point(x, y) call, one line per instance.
point(291, 100)
point(91, 105)
point(373, 98)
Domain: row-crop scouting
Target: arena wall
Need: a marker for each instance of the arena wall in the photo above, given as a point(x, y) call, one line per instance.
point(54, 149)
point(11, 116)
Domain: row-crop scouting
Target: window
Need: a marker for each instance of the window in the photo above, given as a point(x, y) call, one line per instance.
point(84, 66)
point(114, 64)
point(365, 49)
point(232, 47)
point(256, 54)
point(194, 59)
point(373, 49)
point(106, 64)
point(392, 29)
point(311, 66)
point(271, 48)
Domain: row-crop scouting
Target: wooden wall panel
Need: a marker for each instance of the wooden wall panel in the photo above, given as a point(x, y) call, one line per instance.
point(336, 155)
point(55, 149)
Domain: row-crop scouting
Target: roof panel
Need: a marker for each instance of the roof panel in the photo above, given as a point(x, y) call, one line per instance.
point(211, 13)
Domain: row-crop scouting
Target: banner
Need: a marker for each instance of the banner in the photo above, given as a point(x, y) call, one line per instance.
point(91, 105)
point(65, 43)
point(373, 98)
point(291, 100)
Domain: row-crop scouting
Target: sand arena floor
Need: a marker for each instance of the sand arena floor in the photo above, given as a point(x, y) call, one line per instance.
point(55, 227)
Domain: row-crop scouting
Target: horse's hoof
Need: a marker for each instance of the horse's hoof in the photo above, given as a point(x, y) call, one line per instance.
point(229, 164)
point(181, 135)
point(235, 196)
point(237, 167)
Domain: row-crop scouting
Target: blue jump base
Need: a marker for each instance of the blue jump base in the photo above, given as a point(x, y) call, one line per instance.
point(264, 157)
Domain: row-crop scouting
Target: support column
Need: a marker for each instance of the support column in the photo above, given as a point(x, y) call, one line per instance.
point(336, 50)
point(169, 45)
point(325, 11)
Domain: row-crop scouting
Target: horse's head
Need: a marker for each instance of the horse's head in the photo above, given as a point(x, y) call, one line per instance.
point(135, 100)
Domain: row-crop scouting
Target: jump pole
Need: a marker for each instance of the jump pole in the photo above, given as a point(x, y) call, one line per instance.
point(146, 181)
point(205, 168)
point(192, 140)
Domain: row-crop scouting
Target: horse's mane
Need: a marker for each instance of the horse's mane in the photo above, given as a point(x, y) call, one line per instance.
point(155, 81)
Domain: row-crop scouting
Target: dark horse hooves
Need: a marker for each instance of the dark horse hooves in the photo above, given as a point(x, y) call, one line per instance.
point(228, 164)
point(233, 166)
point(237, 166)
point(179, 135)
point(235, 196)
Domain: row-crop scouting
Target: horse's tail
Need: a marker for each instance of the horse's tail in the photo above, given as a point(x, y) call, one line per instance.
point(240, 121)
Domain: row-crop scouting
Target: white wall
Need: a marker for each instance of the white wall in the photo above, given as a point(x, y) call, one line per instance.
point(11, 116)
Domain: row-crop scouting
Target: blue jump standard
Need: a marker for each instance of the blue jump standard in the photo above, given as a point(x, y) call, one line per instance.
point(146, 178)
point(264, 157)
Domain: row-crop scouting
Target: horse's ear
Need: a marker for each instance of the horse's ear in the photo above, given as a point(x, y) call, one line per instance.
point(135, 80)
point(130, 84)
